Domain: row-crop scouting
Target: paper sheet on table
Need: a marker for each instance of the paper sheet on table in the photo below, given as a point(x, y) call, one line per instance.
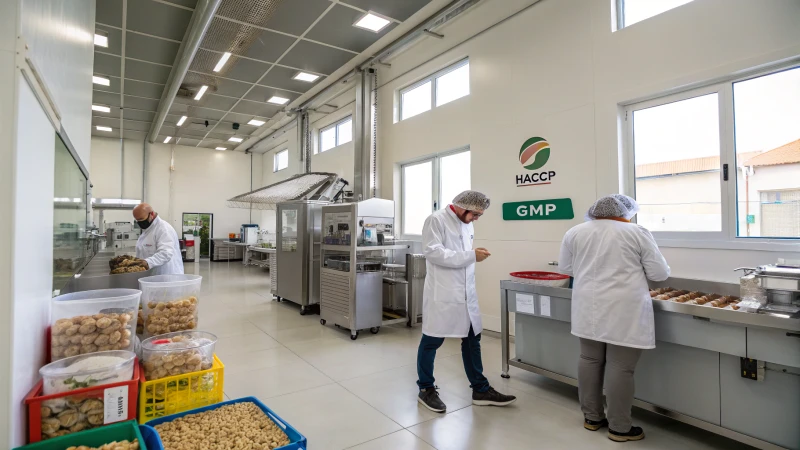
point(544, 305)
point(525, 303)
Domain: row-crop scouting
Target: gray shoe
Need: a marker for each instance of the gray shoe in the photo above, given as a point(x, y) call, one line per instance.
point(492, 398)
point(430, 399)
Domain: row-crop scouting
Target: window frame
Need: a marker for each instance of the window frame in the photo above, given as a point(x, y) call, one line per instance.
point(335, 126)
point(433, 79)
point(436, 179)
point(275, 157)
point(619, 15)
point(727, 237)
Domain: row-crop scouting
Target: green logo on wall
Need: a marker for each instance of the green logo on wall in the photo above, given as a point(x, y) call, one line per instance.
point(557, 209)
point(534, 153)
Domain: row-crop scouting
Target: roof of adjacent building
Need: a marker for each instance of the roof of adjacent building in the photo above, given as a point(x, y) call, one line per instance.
point(785, 154)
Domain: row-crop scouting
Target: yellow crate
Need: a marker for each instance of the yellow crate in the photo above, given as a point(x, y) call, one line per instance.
point(179, 393)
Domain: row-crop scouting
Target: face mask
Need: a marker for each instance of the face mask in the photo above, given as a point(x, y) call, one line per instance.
point(144, 224)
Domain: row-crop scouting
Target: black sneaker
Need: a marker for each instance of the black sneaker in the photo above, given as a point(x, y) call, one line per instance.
point(594, 425)
point(634, 434)
point(491, 398)
point(430, 399)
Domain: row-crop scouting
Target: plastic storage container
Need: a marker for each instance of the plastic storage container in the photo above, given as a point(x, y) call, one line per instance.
point(82, 371)
point(177, 353)
point(89, 404)
point(125, 431)
point(296, 440)
point(174, 394)
point(92, 321)
point(170, 303)
point(551, 279)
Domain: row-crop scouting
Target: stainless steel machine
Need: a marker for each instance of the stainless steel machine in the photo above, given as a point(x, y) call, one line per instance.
point(357, 240)
point(122, 235)
point(298, 253)
point(781, 285)
point(730, 372)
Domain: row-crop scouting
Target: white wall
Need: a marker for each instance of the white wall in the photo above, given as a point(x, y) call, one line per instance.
point(202, 181)
point(558, 71)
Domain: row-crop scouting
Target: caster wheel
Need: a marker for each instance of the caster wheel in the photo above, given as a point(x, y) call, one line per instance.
point(505, 375)
point(303, 311)
point(337, 326)
point(322, 321)
point(374, 330)
point(354, 336)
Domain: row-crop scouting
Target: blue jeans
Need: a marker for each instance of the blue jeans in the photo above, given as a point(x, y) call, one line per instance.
point(470, 353)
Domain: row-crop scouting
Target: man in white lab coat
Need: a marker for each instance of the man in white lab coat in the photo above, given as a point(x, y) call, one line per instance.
point(450, 302)
point(158, 244)
point(612, 312)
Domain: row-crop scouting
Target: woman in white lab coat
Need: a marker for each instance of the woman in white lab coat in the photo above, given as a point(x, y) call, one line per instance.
point(611, 260)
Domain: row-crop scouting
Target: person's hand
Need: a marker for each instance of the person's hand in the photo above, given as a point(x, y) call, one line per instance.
point(145, 265)
point(481, 254)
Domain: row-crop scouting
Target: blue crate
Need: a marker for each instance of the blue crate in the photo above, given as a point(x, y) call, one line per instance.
point(151, 438)
point(296, 440)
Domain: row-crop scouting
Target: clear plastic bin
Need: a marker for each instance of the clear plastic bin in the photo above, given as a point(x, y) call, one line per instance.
point(93, 321)
point(63, 375)
point(177, 353)
point(170, 303)
point(551, 279)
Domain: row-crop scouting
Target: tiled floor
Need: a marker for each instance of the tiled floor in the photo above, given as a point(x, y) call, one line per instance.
point(344, 394)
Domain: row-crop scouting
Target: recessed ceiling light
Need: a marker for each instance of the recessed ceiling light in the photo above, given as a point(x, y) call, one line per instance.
point(100, 80)
point(256, 123)
point(305, 76)
point(181, 120)
point(167, 139)
point(101, 108)
point(222, 61)
point(372, 22)
point(235, 139)
point(221, 148)
point(99, 128)
point(278, 100)
point(100, 40)
point(201, 92)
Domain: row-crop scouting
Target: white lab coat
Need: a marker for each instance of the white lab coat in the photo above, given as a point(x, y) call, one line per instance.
point(158, 245)
point(611, 262)
point(450, 302)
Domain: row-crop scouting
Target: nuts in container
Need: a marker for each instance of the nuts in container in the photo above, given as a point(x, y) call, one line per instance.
point(168, 317)
point(170, 303)
point(177, 353)
point(237, 425)
point(93, 321)
point(66, 415)
point(121, 445)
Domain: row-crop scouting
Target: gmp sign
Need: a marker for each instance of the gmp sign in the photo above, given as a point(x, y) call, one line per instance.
point(557, 209)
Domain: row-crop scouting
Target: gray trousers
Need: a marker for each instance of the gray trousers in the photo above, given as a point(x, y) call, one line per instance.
point(619, 362)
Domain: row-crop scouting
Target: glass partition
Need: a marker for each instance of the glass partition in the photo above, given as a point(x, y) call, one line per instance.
point(71, 247)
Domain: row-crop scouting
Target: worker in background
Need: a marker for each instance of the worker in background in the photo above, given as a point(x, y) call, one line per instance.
point(450, 302)
point(158, 244)
point(611, 260)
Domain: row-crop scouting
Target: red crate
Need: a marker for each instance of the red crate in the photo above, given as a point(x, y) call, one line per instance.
point(35, 399)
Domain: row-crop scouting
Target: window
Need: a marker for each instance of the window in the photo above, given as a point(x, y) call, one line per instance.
point(720, 162)
point(430, 185)
point(438, 89)
point(336, 134)
point(631, 11)
point(280, 160)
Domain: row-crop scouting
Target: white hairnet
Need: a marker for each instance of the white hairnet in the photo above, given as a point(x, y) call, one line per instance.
point(472, 200)
point(614, 205)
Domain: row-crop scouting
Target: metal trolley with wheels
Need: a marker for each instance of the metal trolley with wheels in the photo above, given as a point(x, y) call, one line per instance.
point(356, 238)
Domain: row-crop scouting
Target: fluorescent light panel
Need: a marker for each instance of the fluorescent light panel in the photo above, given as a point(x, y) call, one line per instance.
point(201, 92)
point(99, 128)
point(277, 100)
point(100, 80)
point(372, 22)
point(100, 40)
point(222, 61)
point(256, 123)
point(181, 120)
point(221, 148)
point(305, 76)
point(101, 108)
point(235, 139)
point(167, 139)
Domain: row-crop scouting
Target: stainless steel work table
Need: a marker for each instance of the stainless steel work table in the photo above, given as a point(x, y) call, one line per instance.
point(694, 373)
